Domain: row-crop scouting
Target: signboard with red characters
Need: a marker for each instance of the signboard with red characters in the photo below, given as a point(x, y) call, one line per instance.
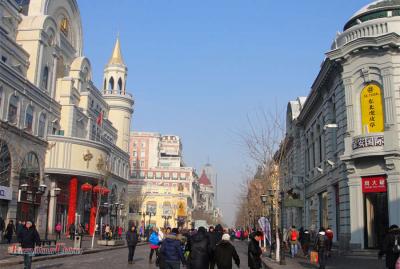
point(374, 184)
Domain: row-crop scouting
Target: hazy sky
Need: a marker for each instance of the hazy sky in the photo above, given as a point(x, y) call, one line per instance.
point(197, 68)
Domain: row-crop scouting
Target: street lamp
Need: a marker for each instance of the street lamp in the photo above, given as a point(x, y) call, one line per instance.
point(40, 190)
point(166, 218)
point(56, 192)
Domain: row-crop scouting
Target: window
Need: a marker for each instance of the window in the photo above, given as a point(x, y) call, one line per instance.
point(42, 125)
point(141, 163)
point(143, 145)
point(4, 59)
point(142, 175)
point(45, 78)
point(166, 175)
point(111, 84)
point(134, 144)
point(150, 175)
point(158, 175)
point(29, 118)
point(134, 174)
point(135, 154)
point(183, 176)
point(134, 164)
point(13, 109)
point(174, 175)
point(142, 154)
point(120, 86)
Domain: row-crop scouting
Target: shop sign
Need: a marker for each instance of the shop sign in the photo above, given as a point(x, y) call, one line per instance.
point(374, 184)
point(368, 141)
point(293, 203)
point(5, 193)
point(372, 109)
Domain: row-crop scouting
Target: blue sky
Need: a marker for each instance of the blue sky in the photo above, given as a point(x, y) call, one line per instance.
point(197, 69)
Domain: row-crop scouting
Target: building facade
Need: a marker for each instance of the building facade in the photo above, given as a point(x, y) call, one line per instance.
point(345, 150)
point(161, 185)
point(85, 131)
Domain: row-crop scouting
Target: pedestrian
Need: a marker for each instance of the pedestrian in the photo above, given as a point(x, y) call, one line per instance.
point(120, 232)
point(29, 239)
point(2, 227)
point(225, 252)
point(329, 235)
point(154, 244)
point(212, 237)
point(391, 247)
point(131, 240)
point(107, 232)
point(171, 253)
point(10, 230)
point(199, 250)
point(58, 230)
point(293, 240)
point(71, 231)
point(254, 251)
point(306, 239)
point(321, 246)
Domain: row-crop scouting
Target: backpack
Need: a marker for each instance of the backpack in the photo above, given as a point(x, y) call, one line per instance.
point(154, 239)
point(396, 246)
point(293, 235)
point(321, 241)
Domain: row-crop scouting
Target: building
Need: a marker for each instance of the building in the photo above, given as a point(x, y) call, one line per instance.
point(206, 201)
point(60, 109)
point(161, 185)
point(346, 136)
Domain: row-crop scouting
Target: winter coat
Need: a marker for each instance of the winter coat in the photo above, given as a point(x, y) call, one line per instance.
point(131, 238)
point(58, 228)
point(29, 238)
point(199, 248)
point(154, 241)
point(321, 242)
point(387, 247)
point(224, 253)
point(171, 249)
point(254, 252)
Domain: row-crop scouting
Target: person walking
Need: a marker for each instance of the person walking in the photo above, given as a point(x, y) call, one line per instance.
point(199, 250)
point(293, 240)
point(120, 232)
point(171, 253)
point(10, 230)
point(306, 239)
point(225, 252)
point(254, 251)
point(391, 247)
point(29, 239)
point(58, 230)
point(131, 240)
point(329, 235)
point(321, 246)
point(154, 244)
point(71, 231)
point(212, 237)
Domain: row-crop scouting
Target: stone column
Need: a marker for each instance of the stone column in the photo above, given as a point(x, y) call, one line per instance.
point(356, 211)
point(349, 105)
point(39, 66)
point(52, 209)
point(393, 182)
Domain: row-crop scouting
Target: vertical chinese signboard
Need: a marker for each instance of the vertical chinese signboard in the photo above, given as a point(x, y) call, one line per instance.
point(371, 109)
point(374, 184)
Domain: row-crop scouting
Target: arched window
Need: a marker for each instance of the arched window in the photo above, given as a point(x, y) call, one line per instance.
point(151, 207)
point(45, 78)
point(13, 109)
point(120, 86)
point(5, 164)
point(42, 125)
point(111, 84)
point(29, 118)
point(105, 85)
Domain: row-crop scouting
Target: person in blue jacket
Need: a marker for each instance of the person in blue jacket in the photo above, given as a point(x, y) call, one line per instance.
point(154, 244)
point(171, 252)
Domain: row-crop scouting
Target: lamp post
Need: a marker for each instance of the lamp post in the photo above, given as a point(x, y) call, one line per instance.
point(40, 190)
point(264, 199)
point(166, 218)
point(56, 192)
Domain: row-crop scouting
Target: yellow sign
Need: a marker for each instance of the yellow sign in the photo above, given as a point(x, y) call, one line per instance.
point(371, 109)
point(181, 209)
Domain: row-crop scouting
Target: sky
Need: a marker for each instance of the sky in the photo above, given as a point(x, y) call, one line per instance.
point(199, 69)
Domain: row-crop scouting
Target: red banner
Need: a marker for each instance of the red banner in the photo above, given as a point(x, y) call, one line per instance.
point(374, 184)
point(73, 192)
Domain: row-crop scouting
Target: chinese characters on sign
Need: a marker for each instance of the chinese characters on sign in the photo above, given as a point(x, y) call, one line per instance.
point(374, 184)
point(371, 109)
point(368, 141)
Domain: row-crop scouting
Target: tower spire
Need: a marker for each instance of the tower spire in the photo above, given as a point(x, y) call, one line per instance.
point(116, 57)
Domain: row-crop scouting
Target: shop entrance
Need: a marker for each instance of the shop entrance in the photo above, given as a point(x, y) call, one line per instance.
point(376, 218)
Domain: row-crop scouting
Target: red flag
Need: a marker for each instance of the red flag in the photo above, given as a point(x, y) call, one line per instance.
point(99, 119)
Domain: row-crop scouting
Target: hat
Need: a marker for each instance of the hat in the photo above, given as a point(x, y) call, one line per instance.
point(226, 237)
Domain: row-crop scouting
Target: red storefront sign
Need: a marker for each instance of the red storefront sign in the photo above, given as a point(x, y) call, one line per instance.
point(374, 184)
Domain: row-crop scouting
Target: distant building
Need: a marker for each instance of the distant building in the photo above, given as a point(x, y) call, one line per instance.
point(161, 186)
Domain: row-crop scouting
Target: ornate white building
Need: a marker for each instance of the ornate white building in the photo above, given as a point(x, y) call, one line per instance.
point(85, 131)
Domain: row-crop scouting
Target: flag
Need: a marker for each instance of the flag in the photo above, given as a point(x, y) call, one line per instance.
point(99, 119)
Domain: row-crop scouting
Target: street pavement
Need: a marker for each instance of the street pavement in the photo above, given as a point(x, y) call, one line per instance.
point(117, 258)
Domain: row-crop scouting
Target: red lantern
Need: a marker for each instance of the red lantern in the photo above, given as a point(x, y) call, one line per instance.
point(86, 187)
point(101, 190)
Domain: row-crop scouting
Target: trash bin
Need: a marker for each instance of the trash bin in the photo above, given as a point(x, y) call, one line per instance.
point(77, 241)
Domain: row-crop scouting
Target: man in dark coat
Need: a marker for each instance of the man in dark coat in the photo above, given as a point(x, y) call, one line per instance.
point(29, 239)
point(254, 251)
point(171, 253)
point(212, 236)
point(391, 246)
point(10, 230)
point(131, 240)
point(321, 245)
point(225, 252)
point(199, 248)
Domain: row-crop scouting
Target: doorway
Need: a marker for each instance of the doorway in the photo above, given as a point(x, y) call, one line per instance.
point(376, 219)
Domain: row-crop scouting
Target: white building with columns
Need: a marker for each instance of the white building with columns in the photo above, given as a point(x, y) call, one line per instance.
point(344, 163)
